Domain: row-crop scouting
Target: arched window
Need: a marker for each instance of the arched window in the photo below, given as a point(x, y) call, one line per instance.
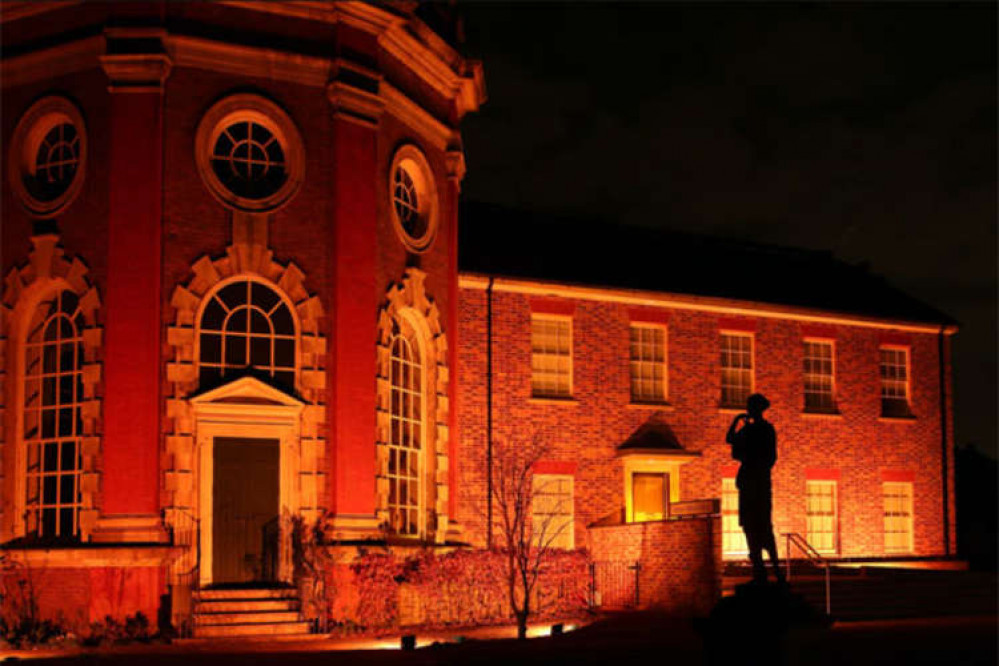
point(53, 426)
point(407, 424)
point(246, 324)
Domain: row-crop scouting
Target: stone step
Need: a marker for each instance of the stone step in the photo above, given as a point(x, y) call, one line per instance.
point(205, 619)
point(246, 606)
point(239, 643)
point(268, 629)
point(247, 593)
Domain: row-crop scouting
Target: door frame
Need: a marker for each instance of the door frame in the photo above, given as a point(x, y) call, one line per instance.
point(247, 408)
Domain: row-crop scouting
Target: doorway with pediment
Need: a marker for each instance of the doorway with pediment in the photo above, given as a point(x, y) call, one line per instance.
point(247, 440)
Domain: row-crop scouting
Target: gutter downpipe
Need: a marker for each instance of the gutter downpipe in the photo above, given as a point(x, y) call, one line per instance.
point(489, 413)
point(941, 351)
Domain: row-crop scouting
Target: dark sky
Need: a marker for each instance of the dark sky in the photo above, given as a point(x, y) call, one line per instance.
point(864, 129)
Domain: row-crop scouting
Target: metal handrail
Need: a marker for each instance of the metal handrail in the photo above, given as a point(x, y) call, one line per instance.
point(813, 556)
point(197, 544)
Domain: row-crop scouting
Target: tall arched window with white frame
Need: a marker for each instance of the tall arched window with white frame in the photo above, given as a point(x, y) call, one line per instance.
point(53, 426)
point(407, 416)
point(246, 325)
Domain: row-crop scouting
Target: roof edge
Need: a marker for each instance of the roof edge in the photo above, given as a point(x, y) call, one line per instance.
point(719, 305)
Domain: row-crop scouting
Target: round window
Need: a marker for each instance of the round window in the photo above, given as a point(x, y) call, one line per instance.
point(48, 156)
point(413, 199)
point(249, 153)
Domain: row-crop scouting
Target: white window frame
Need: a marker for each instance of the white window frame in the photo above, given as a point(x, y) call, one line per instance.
point(415, 484)
point(900, 514)
point(35, 475)
point(821, 409)
point(905, 350)
point(640, 362)
point(734, 544)
point(536, 392)
point(814, 516)
point(752, 367)
point(563, 515)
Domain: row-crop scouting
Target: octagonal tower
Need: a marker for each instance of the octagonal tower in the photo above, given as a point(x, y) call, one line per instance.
point(230, 271)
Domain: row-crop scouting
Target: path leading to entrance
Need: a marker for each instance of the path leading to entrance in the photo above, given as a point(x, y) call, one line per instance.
point(634, 638)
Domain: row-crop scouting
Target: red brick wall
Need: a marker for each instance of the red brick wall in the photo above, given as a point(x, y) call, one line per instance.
point(75, 597)
point(588, 429)
point(680, 561)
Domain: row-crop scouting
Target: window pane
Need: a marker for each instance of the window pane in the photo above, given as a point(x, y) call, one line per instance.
point(551, 359)
point(259, 322)
point(211, 348)
point(235, 351)
point(213, 316)
point(263, 297)
point(260, 352)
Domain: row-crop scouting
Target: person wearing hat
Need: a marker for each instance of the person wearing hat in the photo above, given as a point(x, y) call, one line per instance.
point(754, 445)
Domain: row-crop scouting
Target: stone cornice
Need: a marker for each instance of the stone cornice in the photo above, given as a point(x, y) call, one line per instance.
point(355, 104)
point(405, 37)
point(398, 104)
point(147, 72)
point(242, 60)
point(59, 60)
point(136, 73)
point(19, 9)
point(401, 36)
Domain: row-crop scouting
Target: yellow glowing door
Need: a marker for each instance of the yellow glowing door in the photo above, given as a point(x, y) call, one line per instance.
point(649, 499)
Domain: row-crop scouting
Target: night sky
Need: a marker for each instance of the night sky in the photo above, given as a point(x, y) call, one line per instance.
point(868, 130)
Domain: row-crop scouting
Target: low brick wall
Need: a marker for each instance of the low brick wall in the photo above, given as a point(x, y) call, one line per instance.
point(381, 591)
point(76, 597)
point(680, 560)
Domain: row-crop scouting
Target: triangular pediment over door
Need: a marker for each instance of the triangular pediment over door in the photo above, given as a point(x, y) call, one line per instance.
point(247, 390)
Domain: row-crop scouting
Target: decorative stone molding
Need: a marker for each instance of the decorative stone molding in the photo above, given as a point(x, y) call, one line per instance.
point(409, 310)
point(51, 114)
point(212, 136)
point(353, 91)
point(47, 271)
point(182, 439)
point(59, 60)
point(454, 159)
point(417, 198)
point(138, 73)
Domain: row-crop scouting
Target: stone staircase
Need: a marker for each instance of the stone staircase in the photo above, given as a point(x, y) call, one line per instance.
point(248, 612)
point(881, 593)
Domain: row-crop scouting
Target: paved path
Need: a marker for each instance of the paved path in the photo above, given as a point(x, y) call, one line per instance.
point(639, 638)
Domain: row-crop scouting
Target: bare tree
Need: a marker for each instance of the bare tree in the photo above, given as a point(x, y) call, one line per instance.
point(530, 519)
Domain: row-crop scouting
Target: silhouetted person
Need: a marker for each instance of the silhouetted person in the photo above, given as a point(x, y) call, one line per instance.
point(754, 445)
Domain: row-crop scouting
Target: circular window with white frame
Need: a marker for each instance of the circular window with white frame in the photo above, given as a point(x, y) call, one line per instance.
point(249, 153)
point(48, 156)
point(413, 197)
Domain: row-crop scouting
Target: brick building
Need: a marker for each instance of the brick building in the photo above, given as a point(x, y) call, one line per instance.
point(651, 377)
point(232, 298)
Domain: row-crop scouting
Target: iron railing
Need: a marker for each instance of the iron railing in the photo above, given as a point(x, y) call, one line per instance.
point(793, 538)
point(615, 584)
point(186, 531)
